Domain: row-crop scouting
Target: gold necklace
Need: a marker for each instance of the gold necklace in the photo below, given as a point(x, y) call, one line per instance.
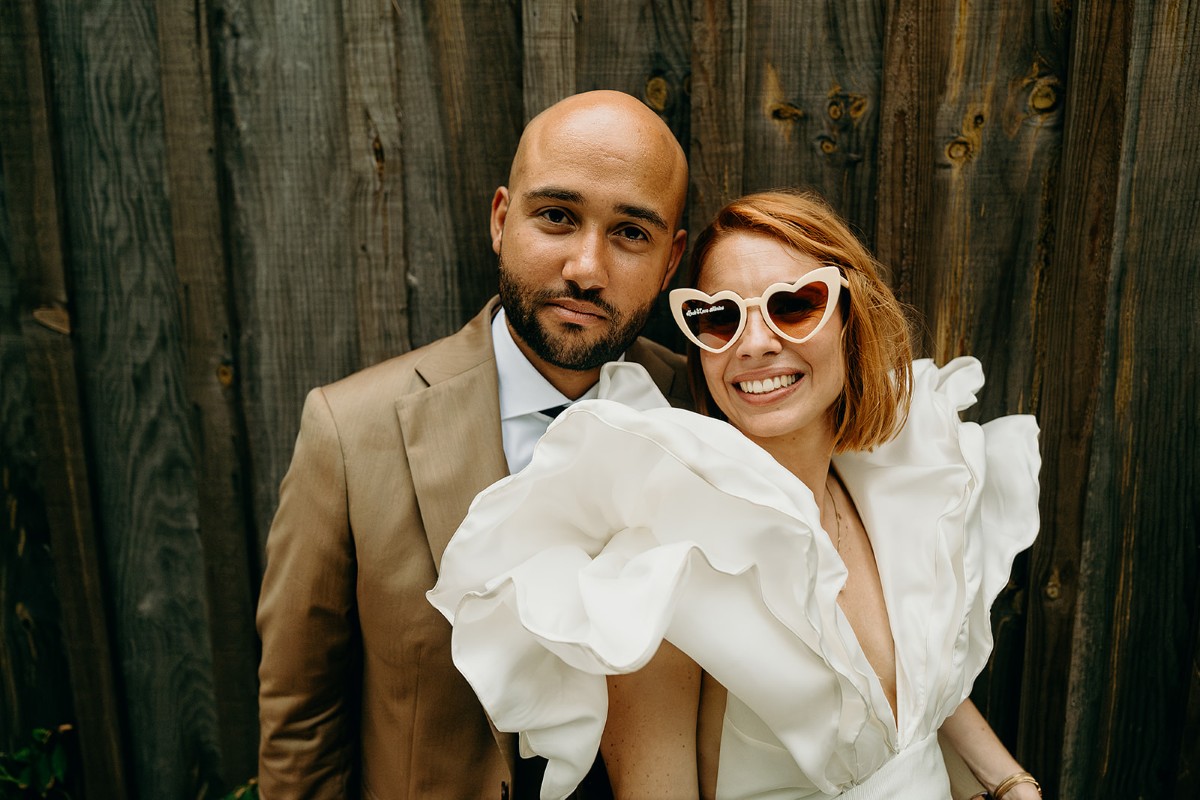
point(836, 515)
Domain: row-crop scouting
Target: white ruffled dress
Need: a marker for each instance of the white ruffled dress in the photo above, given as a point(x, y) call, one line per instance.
point(636, 522)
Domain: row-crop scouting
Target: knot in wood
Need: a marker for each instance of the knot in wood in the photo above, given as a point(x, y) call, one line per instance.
point(836, 110)
point(225, 375)
point(827, 144)
point(1044, 97)
point(785, 112)
point(53, 318)
point(658, 91)
point(1053, 587)
point(958, 150)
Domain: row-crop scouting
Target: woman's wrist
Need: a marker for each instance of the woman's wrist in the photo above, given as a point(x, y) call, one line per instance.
point(1018, 786)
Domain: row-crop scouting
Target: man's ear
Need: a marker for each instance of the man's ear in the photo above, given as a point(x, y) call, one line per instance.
point(677, 245)
point(499, 214)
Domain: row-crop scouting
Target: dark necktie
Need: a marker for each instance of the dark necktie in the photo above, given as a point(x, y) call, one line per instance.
point(554, 411)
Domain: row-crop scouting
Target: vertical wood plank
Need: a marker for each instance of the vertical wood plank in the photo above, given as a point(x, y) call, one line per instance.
point(1067, 342)
point(377, 188)
point(1137, 608)
point(105, 748)
point(915, 37)
point(548, 31)
point(429, 246)
point(34, 676)
point(109, 124)
point(812, 111)
point(460, 79)
point(209, 341)
point(279, 73)
point(478, 70)
point(642, 48)
point(716, 151)
point(1187, 785)
point(31, 270)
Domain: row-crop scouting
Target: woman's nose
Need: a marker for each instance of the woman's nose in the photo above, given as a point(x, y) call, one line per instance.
point(757, 338)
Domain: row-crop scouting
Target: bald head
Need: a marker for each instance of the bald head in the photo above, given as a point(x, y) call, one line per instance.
point(614, 129)
point(587, 232)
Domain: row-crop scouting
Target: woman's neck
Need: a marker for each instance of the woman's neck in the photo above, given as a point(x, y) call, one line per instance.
point(806, 454)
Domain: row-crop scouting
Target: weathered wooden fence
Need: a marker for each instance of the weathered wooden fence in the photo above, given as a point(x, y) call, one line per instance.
point(209, 206)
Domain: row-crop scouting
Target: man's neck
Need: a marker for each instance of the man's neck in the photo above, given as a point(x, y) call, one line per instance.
point(572, 383)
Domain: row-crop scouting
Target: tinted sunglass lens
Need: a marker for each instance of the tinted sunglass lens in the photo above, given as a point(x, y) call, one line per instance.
point(714, 324)
point(798, 313)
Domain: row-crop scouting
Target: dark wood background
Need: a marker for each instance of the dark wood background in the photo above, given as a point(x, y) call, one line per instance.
point(209, 206)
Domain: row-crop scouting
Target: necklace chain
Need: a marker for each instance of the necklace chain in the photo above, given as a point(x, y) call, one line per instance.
point(837, 515)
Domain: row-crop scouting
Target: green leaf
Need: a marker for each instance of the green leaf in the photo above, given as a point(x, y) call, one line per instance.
point(59, 759)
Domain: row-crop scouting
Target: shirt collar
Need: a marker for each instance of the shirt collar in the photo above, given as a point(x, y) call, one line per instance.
point(523, 390)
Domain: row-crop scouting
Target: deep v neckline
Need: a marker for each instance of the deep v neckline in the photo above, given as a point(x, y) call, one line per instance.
point(878, 683)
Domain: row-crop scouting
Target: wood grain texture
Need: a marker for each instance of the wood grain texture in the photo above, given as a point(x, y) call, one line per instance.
point(1067, 344)
point(548, 31)
point(1187, 770)
point(915, 48)
point(376, 201)
point(100, 723)
point(813, 98)
point(279, 73)
point(209, 339)
point(642, 48)
point(716, 152)
point(34, 668)
point(126, 325)
point(1136, 616)
point(460, 102)
point(47, 476)
point(1024, 168)
point(429, 247)
point(477, 62)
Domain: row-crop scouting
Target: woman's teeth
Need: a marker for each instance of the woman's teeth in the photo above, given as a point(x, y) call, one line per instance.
point(769, 385)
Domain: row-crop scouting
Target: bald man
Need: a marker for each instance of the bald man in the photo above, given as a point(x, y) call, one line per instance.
point(358, 694)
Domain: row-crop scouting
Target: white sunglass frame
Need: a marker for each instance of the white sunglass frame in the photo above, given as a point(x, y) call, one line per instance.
point(831, 276)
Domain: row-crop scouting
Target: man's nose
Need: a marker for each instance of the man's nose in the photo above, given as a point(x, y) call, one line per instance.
point(587, 265)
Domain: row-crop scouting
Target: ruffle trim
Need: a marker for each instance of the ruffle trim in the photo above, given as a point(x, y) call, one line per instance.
point(579, 566)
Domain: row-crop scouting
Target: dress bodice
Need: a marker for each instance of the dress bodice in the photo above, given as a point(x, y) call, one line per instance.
point(636, 522)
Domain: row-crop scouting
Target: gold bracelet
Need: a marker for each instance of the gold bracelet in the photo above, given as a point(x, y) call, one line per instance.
point(1012, 780)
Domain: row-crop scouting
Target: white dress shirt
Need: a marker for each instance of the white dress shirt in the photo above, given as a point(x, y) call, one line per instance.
point(523, 395)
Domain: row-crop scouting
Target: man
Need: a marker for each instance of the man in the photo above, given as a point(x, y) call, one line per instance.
point(358, 693)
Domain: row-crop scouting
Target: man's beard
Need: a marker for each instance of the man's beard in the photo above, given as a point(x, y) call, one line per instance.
point(571, 349)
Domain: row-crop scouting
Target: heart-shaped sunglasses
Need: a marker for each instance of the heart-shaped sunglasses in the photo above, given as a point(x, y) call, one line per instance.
point(796, 311)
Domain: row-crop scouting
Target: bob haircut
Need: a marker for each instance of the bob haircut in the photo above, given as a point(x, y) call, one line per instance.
point(875, 329)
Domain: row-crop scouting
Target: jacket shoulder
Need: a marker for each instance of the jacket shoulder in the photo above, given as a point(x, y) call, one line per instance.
point(468, 348)
point(666, 367)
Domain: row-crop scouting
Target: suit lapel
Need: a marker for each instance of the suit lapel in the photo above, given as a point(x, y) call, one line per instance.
point(452, 430)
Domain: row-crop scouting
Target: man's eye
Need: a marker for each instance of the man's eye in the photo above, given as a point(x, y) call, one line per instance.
point(556, 216)
point(633, 234)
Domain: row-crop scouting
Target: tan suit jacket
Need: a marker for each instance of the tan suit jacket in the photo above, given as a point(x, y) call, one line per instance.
point(358, 693)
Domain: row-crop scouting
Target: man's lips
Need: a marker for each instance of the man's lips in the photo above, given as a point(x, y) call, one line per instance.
point(577, 310)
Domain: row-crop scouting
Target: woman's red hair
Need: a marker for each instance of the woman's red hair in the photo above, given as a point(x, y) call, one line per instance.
point(875, 330)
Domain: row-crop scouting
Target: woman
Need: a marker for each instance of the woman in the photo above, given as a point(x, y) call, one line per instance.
point(733, 610)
